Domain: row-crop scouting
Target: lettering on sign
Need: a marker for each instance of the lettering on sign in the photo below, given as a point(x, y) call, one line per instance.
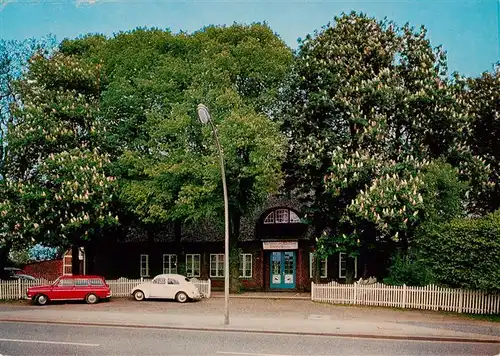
point(280, 245)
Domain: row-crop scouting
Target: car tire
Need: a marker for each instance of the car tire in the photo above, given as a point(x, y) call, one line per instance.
point(181, 297)
point(139, 295)
point(42, 299)
point(91, 298)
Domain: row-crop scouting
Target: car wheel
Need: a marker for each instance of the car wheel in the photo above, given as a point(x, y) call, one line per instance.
point(181, 297)
point(42, 299)
point(91, 298)
point(139, 295)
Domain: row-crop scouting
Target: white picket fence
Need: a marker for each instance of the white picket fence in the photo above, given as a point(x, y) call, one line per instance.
point(16, 289)
point(429, 297)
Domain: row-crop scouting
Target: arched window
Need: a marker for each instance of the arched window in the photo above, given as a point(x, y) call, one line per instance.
point(281, 216)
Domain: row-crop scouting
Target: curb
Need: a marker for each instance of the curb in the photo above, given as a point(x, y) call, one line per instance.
point(229, 329)
point(260, 297)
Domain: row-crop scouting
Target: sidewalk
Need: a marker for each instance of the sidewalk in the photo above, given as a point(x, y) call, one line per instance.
point(203, 316)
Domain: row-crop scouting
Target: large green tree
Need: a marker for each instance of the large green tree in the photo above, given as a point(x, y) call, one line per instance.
point(14, 56)
point(370, 106)
point(58, 187)
point(482, 97)
point(166, 160)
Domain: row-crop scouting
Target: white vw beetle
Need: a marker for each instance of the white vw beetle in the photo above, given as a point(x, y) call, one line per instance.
point(167, 286)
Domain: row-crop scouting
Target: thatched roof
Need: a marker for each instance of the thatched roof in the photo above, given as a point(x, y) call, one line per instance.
point(209, 232)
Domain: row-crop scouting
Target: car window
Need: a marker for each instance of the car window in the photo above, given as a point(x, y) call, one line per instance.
point(160, 280)
point(173, 281)
point(96, 282)
point(65, 283)
point(81, 282)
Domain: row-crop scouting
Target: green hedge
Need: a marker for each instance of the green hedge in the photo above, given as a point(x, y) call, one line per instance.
point(465, 252)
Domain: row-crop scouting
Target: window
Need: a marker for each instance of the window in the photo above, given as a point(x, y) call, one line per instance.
point(269, 218)
point(159, 280)
point(144, 266)
point(65, 283)
point(81, 282)
point(170, 264)
point(173, 281)
point(343, 265)
point(192, 265)
point(294, 218)
point(217, 265)
point(67, 267)
point(246, 265)
point(323, 269)
point(281, 216)
point(96, 282)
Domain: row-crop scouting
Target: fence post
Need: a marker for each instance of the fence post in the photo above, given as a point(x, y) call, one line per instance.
point(209, 293)
point(19, 288)
point(461, 300)
point(312, 291)
point(404, 296)
point(355, 294)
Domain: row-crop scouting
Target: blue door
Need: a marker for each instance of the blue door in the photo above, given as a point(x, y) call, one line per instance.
point(282, 266)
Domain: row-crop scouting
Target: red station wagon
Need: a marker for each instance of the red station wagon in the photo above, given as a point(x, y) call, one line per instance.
point(88, 288)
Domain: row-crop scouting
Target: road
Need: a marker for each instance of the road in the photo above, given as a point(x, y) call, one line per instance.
point(52, 339)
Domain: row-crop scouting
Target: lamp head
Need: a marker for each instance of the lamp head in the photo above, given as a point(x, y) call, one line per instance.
point(203, 114)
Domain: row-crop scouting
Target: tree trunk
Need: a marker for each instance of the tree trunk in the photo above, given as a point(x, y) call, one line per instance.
point(349, 274)
point(75, 261)
point(4, 257)
point(318, 230)
point(234, 253)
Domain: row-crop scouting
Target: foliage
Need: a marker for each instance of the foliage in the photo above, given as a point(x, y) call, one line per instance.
point(20, 256)
point(482, 96)
point(42, 253)
point(58, 187)
point(370, 108)
point(168, 163)
point(410, 271)
point(465, 252)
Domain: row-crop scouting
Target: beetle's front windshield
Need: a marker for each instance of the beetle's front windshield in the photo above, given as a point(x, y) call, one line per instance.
point(56, 281)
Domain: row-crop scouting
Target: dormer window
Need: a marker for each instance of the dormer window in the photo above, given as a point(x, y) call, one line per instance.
point(281, 216)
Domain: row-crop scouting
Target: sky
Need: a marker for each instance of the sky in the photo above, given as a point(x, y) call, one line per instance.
point(467, 29)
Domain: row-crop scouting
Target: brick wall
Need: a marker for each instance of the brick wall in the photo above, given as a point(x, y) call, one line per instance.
point(49, 270)
point(254, 283)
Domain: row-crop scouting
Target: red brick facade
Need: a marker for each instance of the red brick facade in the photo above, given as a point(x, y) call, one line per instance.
point(49, 270)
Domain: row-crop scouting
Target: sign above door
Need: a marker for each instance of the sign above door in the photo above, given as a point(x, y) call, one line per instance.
point(280, 245)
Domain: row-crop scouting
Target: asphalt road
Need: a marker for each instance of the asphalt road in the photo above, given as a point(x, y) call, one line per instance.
point(51, 339)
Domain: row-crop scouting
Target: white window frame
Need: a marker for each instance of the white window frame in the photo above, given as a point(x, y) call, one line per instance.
point(282, 216)
point(343, 259)
point(67, 266)
point(169, 263)
point(323, 268)
point(245, 259)
point(144, 265)
point(294, 218)
point(219, 260)
point(269, 218)
point(193, 256)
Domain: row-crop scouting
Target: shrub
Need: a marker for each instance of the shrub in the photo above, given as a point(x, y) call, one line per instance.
point(465, 252)
point(408, 270)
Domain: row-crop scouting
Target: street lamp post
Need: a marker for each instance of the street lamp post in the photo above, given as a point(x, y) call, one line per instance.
point(204, 116)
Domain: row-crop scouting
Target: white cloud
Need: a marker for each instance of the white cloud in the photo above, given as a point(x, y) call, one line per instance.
point(85, 2)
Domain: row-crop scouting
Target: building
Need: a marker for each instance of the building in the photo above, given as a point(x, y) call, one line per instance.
point(276, 252)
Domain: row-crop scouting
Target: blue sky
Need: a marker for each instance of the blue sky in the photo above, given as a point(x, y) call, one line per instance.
point(468, 30)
